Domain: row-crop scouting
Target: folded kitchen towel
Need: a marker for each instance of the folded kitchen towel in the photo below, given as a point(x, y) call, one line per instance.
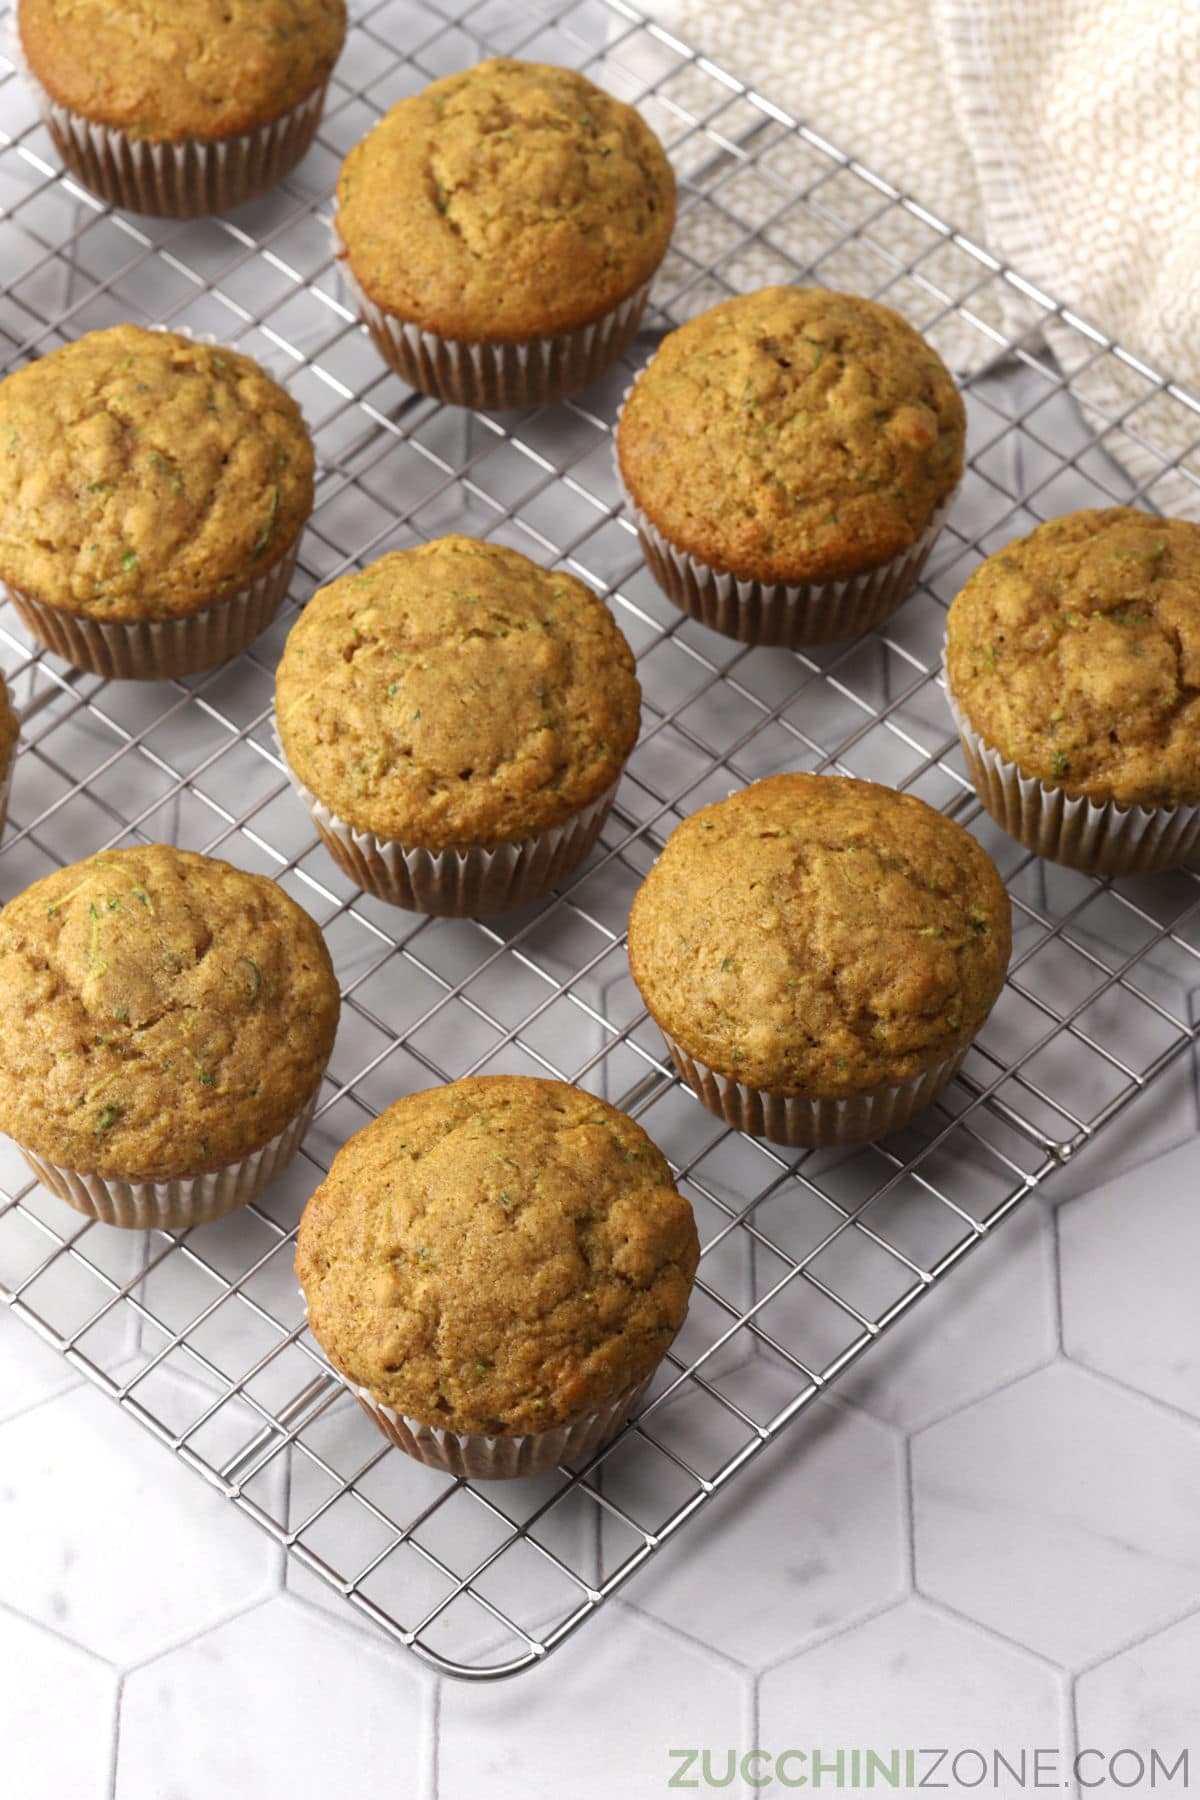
point(1062, 134)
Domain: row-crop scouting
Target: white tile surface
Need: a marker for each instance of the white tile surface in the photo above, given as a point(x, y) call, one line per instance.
point(911, 1677)
point(30, 1371)
point(276, 1702)
point(1062, 1512)
point(109, 1540)
point(594, 1725)
point(809, 1538)
point(994, 1321)
point(1137, 1238)
point(1159, 1120)
point(1146, 1698)
point(59, 1709)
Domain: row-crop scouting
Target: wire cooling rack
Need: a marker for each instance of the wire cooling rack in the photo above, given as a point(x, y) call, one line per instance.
point(806, 1259)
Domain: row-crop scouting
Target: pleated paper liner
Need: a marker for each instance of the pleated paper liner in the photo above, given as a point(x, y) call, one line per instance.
point(1096, 838)
point(803, 1124)
point(467, 883)
point(159, 649)
point(184, 1201)
point(501, 1458)
point(788, 614)
point(498, 377)
point(189, 180)
point(7, 776)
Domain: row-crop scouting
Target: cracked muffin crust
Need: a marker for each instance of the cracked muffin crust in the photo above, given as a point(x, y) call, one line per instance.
point(793, 435)
point(819, 936)
point(144, 476)
point(509, 201)
point(170, 70)
point(501, 1256)
point(456, 695)
point(164, 1014)
point(1075, 653)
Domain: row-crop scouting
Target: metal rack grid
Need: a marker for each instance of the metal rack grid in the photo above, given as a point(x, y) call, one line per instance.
point(807, 1260)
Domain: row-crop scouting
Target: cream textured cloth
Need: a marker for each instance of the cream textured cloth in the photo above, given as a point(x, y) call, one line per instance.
point(1064, 135)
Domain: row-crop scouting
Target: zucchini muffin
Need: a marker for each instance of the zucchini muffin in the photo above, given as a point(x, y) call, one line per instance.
point(497, 1267)
point(181, 108)
point(500, 231)
point(167, 1021)
point(9, 731)
point(456, 720)
point(153, 492)
point(819, 953)
point(1073, 672)
point(790, 457)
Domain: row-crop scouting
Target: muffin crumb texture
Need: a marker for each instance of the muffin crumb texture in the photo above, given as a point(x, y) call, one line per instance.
point(1075, 653)
point(161, 1014)
point(510, 201)
point(793, 435)
point(819, 936)
point(456, 694)
point(144, 476)
point(170, 70)
point(499, 1256)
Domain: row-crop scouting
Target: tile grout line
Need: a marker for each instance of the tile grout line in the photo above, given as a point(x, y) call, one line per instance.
point(115, 1744)
point(434, 1730)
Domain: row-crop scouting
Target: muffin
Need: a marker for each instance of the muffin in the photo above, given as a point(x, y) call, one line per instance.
point(456, 720)
point(790, 457)
point(9, 729)
point(153, 492)
point(167, 1020)
point(499, 232)
point(497, 1267)
point(819, 953)
point(1073, 673)
point(181, 107)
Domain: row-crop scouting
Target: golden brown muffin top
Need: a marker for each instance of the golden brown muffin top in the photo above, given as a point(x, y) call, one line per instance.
point(819, 936)
point(501, 1256)
point(175, 69)
point(509, 201)
point(164, 1013)
point(143, 476)
point(10, 727)
point(793, 435)
point(1075, 652)
point(456, 694)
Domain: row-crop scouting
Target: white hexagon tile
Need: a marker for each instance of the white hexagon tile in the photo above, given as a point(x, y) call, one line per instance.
point(1062, 1513)
point(325, 1712)
point(107, 1539)
point(828, 1499)
point(30, 1371)
point(996, 1320)
point(911, 1677)
point(982, 1540)
point(59, 1712)
point(1137, 1239)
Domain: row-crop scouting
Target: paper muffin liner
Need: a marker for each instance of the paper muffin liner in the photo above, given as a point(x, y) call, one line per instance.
point(789, 614)
point(1096, 838)
point(802, 1124)
point(184, 1201)
point(6, 778)
point(498, 377)
point(158, 649)
point(464, 883)
point(500, 1458)
point(188, 180)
